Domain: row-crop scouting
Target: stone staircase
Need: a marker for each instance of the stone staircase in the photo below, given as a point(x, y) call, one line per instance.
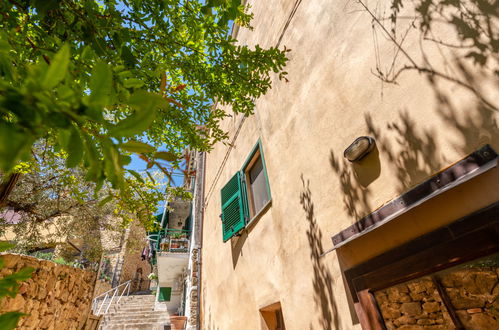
point(135, 312)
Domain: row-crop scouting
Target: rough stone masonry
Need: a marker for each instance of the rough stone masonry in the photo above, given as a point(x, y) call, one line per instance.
point(56, 296)
point(417, 305)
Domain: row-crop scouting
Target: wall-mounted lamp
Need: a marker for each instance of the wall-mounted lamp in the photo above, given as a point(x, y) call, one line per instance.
point(359, 148)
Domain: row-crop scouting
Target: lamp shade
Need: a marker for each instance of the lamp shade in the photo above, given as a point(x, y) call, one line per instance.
point(359, 148)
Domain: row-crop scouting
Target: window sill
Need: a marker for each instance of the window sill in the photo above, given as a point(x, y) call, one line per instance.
point(257, 216)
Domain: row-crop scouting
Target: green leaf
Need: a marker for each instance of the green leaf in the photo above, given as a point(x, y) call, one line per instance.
point(150, 177)
point(43, 6)
point(101, 85)
point(136, 123)
point(165, 155)
point(128, 57)
point(57, 69)
point(92, 158)
point(18, 147)
point(206, 10)
point(125, 160)
point(146, 104)
point(140, 120)
point(112, 166)
point(4, 246)
point(138, 147)
point(146, 101)
point(106, 200)
point(133, 83)
point(136, 175)
point(21, 275)
point(74, 149)
point(9, 320)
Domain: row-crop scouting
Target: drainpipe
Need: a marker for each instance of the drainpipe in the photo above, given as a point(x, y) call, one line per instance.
point(165, 209)
point(200, 171)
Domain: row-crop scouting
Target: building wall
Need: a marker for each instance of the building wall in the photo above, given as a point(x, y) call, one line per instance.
point(55, 297)
point(134, 268)
point(420, 126)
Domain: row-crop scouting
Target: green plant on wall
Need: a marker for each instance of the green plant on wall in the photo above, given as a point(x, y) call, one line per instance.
point(9, 287)
point(178, 235)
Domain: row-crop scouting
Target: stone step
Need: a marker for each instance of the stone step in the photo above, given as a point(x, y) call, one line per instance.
point(140, 297)
point(134, 301)
point(164, 320)
point(134, 312)
point(152, 317)
point(137, 300)
point(141, 312)
point(128, 301)
point(131, 309)
point(132, 322)
point(126, 304)
point(140, 326)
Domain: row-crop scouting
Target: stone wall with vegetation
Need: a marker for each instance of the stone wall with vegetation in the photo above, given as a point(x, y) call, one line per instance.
point(133, 267)
point(417, 305)
point(56, 296)
point(101, 286)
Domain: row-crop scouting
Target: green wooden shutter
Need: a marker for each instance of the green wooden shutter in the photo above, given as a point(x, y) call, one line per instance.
point(232, 207)
point(165, 294)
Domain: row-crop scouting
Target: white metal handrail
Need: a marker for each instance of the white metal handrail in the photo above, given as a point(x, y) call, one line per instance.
point(97, 308)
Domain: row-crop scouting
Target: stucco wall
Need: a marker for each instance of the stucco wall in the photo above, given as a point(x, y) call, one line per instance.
point(420, 126)
point(55, 297)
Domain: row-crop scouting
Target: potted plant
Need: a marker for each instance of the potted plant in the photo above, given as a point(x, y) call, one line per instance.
point(154, 280)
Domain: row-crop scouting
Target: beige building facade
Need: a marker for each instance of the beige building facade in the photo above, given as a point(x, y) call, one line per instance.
point(318, 249)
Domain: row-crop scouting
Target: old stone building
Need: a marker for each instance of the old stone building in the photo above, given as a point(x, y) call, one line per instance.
point(363, 192)
point(122, 260)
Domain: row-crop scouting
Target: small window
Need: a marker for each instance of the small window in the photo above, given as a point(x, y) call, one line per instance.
point(272, 317)
point(256, 181)
point(245, 195)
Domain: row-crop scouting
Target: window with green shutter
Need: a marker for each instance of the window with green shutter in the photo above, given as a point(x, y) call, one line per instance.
point(165, 294)
point(246, 195)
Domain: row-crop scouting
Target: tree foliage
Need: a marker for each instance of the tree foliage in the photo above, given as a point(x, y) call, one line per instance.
point(53, 204)
point(100, 79)
point(473, 21)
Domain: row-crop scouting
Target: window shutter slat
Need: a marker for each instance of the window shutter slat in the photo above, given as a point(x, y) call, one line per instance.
point(232, 207)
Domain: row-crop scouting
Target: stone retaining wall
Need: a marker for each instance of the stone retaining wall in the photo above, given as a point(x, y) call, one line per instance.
point(417, 305)
point(56, 296)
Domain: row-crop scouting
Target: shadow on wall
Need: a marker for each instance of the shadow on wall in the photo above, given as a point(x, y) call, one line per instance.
point(323, 280)
point(354, 180)
point(411, 150)
point(236, 247)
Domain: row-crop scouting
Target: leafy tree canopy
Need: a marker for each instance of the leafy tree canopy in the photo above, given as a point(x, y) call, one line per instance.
point(103, 79)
